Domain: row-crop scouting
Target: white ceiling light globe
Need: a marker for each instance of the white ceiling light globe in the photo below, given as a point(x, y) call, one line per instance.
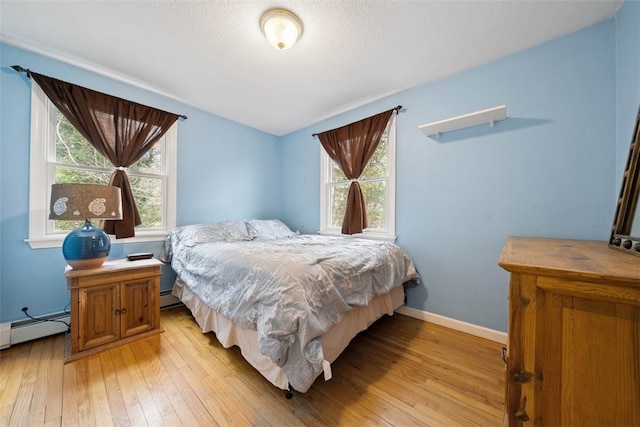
point(281, 28)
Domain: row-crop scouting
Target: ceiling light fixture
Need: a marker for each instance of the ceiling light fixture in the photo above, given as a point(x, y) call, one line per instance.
point(281, 28)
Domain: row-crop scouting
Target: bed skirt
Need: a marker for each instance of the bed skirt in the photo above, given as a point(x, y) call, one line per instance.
point(333, 342)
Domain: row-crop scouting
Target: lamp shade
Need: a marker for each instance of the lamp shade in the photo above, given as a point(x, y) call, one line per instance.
point(85, 201)
point(88, 246)
point(281, 28)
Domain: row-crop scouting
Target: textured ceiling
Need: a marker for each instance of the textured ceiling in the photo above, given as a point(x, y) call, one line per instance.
point(212, 55)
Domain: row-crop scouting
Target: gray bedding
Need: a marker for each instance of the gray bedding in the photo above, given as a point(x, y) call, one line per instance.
point(290, 290)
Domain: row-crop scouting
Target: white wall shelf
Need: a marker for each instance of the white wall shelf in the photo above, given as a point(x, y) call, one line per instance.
point(488, 116)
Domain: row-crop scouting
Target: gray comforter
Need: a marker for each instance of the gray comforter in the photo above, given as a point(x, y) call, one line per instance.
point(290, 290)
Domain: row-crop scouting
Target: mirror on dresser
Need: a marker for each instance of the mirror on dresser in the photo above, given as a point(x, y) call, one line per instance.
point(625, 233)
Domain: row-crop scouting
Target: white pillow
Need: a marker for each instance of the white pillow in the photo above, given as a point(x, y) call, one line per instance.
point(268, 229)
point(225, 231)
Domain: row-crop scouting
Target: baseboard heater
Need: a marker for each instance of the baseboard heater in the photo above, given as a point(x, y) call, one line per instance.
point(12, 333)
point(27, 330)
point(167, 300)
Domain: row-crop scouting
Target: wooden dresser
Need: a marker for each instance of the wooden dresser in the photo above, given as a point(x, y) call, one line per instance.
point(573, 355)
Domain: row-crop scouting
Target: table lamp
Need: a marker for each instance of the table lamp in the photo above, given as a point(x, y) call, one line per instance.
point(88, 246)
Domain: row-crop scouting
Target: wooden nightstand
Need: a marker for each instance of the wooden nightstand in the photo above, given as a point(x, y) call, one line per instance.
point(112, 305)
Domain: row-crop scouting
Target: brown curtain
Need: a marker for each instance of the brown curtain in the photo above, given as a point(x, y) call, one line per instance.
point(351, 147)
point(121, 130)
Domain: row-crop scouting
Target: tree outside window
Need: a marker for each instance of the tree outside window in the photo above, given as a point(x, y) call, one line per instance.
point(60, 154)
point(377, 182)
point(76, 161)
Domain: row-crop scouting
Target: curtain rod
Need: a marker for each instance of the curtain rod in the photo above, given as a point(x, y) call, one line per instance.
point(20, 69)
point(398, 109)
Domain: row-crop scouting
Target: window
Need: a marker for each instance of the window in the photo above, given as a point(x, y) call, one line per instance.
point(378, 187)
point(60, 154)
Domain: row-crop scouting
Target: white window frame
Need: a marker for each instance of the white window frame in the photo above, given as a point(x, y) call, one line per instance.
point(389, 232)
point(40, 179)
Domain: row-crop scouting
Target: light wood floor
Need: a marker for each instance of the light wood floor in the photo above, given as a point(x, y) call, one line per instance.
point(401, 372)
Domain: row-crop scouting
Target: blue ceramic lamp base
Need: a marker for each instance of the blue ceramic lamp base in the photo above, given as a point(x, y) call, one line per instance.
point(86, 247)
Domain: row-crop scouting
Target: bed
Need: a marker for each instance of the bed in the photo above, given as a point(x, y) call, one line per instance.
point(290, 302)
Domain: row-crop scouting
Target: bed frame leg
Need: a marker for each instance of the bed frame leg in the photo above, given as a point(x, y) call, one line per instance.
point(289, 394)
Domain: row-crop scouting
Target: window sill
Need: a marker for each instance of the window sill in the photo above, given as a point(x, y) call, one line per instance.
point(366, 235)
point(55, 241)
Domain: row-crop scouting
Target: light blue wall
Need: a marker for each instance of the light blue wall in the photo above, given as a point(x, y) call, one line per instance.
point(225, 171)
point(548, 170)
point(551, 169)
point(627, 80)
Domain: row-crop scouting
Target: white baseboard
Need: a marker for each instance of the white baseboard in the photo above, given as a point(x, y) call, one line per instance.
point(5, 335)
point(457, 325)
